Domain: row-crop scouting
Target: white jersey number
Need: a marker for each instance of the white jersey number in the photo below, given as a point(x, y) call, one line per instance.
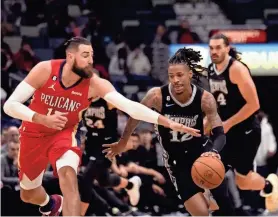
point(221, 99)
point(180, 137)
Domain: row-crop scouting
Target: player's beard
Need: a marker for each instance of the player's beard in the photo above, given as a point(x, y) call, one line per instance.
point(219, 59)
point(86, 72)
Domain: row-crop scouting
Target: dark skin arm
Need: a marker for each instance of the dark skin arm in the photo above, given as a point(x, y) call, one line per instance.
point(209, 107)
point(153, 99)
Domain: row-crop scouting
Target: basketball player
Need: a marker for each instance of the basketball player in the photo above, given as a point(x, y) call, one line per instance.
point(185, 103)
point(100, 120)
point(62, 89)
point(235, 92)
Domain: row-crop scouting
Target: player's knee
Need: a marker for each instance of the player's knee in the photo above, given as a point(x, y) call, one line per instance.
point(67, 177)
point(242, 181)
point(26, 195)
point(251, 181)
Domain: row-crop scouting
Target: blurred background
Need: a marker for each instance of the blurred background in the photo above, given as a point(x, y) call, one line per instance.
point(132, 41)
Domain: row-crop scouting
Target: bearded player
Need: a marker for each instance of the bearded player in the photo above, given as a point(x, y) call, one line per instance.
point(231, 84)
point(61, 90)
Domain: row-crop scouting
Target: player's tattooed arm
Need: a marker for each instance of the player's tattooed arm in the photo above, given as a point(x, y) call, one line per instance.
point(209, 107)
point(153, 99)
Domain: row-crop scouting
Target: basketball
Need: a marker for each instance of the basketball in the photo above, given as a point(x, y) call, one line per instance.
point(208, 172)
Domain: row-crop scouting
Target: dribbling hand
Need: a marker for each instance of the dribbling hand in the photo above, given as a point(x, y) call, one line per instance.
point(184, 129)
point(211, 154)
point(56, 121)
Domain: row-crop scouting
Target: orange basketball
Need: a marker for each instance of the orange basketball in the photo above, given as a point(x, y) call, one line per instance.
point(208, 172)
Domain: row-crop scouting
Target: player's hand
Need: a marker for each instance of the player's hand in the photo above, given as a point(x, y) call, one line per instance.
point(113, 149)
point(184, 129)
point(211, 154)
point(56, 121)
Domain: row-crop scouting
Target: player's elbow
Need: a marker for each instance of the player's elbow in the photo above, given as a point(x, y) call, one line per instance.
point(8, 107)
point(256, 105)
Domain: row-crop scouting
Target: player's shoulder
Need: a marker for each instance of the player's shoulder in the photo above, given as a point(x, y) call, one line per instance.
point(45, 65)
point(206, 94)
point(154, 92)
point(238, 65)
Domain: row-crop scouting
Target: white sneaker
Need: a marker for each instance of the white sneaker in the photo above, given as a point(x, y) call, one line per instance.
point(134, 193)
point(271, 200)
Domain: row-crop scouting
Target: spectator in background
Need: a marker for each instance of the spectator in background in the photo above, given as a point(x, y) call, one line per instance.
point(12, 135)
point(138, 63)
point(7, 66)
point(161, 35)
point(74, 29)
point(9, 165)
point(25, 58)
point(113, 47)
point(4, 136)
point(118, 63)
point(186, 36)
point(57, 28)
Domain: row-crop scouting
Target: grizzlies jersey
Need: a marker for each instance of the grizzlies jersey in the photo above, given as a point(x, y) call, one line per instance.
point(101, 124)
point(227, 94)
point(190, 114)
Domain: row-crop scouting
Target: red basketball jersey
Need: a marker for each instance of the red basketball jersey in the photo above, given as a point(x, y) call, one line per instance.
point(54, 96)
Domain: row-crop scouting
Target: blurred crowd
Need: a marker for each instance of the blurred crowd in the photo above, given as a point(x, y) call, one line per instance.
point(34, 31)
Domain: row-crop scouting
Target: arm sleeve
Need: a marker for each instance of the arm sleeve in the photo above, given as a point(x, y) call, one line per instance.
point(14, 106)
point(218, 138)
point(133, 109)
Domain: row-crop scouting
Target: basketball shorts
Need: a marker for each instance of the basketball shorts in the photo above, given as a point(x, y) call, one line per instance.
point(37, 150)
point(180, 172)
point(241, 148)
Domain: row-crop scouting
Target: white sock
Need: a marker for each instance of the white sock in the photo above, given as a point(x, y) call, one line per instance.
point(46, 200)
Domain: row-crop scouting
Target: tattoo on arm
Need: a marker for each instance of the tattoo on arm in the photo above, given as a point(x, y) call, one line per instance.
point(152, 99)
point(209, 107)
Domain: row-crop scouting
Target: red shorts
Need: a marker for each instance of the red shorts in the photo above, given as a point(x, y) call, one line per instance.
point(37, 150)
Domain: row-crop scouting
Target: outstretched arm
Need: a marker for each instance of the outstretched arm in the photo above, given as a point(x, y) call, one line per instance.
point(152, 100)
point(136, 110)
point(210, 109)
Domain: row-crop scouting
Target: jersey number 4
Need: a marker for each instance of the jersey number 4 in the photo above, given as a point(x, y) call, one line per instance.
point(180, 137)
point(221, 99)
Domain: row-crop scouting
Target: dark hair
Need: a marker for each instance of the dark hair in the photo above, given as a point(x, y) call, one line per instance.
point(189, 57)
point(135, 134)
point(233, 52)
point(74, 42)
